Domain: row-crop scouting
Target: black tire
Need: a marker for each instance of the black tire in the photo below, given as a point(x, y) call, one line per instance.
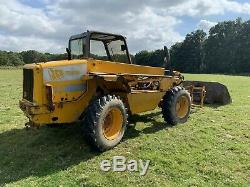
point(170, 102)
point(100, 114)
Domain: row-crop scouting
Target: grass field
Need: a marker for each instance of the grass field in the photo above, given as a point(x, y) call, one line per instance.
point(211, 149)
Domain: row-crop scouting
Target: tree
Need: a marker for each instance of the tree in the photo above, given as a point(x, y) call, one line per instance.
point(221, 46)
point(3, 58)
point(32, 56)
point(242, 53)
point(188, 55)
point(15, 59)
point(176, 57)
point(153, 58)
point(10, 59)
point(53, 57)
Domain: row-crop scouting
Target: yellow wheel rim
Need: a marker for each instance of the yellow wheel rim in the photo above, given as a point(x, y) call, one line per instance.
point(182, 107)
point(112, 124)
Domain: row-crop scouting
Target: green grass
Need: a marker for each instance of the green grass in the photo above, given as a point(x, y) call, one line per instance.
point(211, 149)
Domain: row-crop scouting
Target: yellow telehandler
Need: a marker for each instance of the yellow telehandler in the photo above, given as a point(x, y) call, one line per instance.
point(99, 87)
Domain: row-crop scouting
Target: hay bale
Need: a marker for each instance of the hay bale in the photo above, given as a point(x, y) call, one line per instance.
point(216, 93)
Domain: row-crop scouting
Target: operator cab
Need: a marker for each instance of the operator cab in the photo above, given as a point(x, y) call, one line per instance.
point(100, 46)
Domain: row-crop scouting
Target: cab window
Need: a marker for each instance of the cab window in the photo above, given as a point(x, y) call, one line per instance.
point(97, 50)
point(77, 48)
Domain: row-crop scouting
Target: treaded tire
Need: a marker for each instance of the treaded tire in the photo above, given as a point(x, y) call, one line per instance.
point(169, 103)
point(95, 117)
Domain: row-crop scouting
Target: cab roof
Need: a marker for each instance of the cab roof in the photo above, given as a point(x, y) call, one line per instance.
point(98, 35)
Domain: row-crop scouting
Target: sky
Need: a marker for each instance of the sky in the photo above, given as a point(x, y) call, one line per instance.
point(46, 25)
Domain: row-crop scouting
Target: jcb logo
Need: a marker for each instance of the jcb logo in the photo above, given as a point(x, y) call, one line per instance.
point(56, 74)
point(64, 73)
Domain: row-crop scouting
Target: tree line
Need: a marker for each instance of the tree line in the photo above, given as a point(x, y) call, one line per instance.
point(27, 57)
point(225, 49)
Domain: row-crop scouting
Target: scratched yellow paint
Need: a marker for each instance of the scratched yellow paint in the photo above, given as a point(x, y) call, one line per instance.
point(70, 104)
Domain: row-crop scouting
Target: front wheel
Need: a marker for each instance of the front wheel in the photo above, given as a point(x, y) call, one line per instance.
point(105, 122)
point(176, 105)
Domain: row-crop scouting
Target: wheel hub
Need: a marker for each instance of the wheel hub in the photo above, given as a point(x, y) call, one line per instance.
point(182, 107)
point(112, 124)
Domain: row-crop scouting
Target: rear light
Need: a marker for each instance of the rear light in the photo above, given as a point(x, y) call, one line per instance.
point(28, 84)
point(49, 96)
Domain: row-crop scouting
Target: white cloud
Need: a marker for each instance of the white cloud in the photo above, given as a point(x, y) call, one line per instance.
point(24, 20)
point(152, 31)
point(233, 6)
point(22, 43)
point(23, 27)
point(209, 7)
point(147, 24)
point(205, 25)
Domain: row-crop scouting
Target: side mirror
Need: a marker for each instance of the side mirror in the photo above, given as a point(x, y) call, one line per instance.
point(166, 55)
point(123, 48)
point(68, 52)
point(167, 59)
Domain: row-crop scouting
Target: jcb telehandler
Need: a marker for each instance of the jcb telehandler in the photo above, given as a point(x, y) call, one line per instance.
point(99, 87)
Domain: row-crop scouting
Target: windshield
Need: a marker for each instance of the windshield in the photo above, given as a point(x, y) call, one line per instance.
point(113, 50)
point(77, 48)
point(118, 51)
point(98, 50)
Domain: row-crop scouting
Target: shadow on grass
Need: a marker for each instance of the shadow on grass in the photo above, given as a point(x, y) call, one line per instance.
point(214, 106)
point(41, 152)
point(237, 74)
point(150, 129)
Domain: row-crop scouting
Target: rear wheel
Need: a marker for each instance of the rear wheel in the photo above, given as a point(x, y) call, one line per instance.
point(176, 105)
point(105, 122)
